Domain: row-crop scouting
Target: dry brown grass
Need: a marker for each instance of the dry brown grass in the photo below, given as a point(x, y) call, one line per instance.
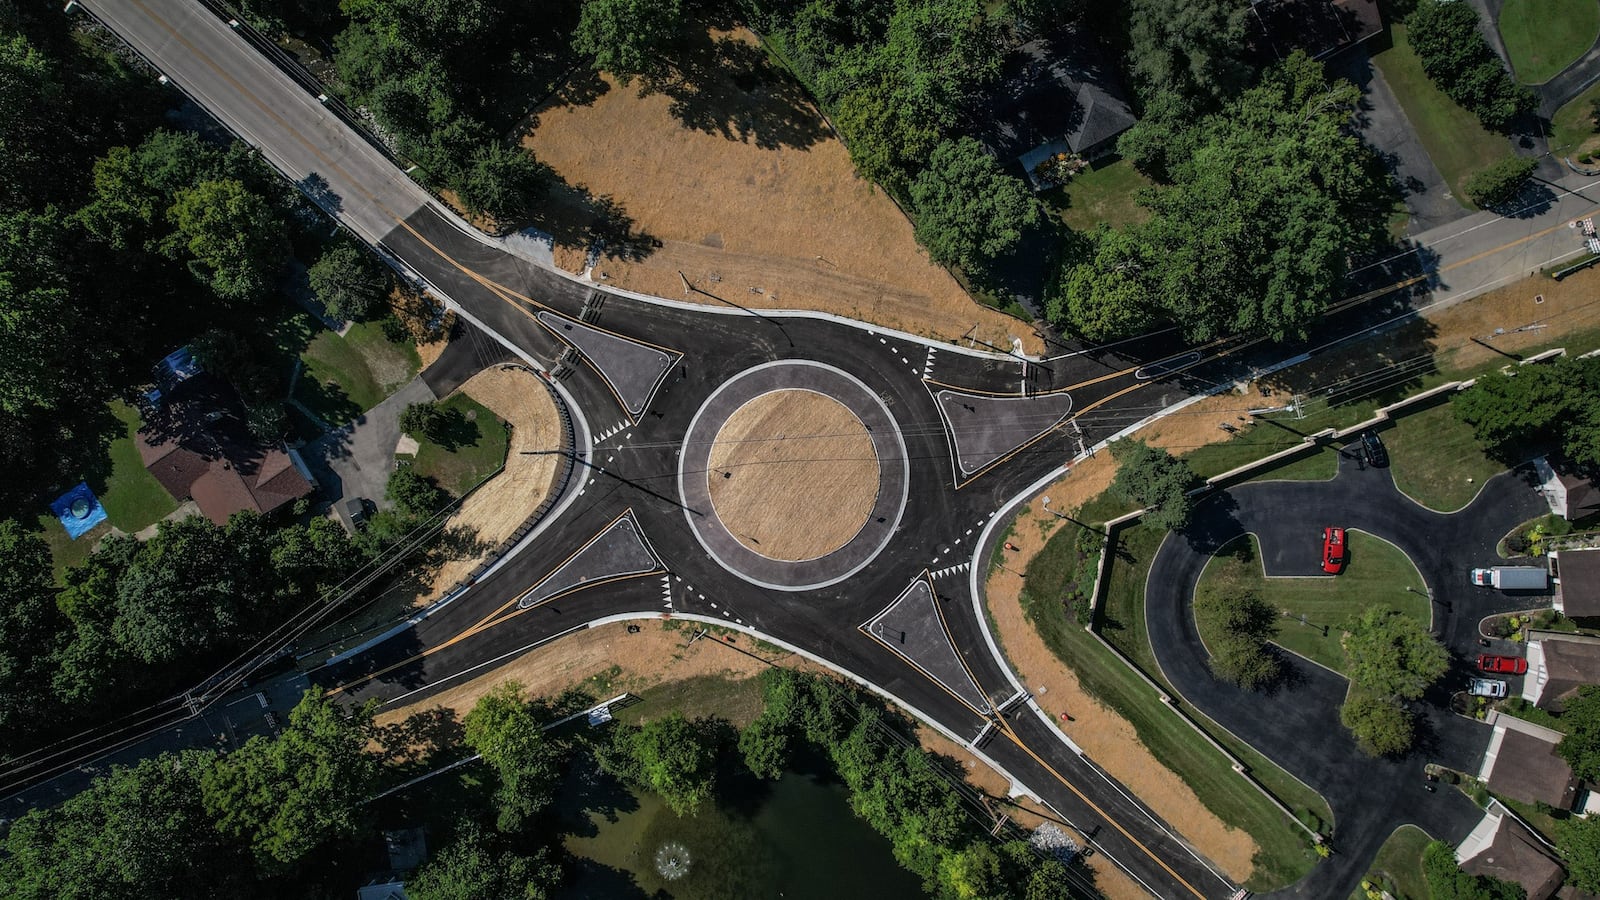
point(754, 195)
point(785, 451)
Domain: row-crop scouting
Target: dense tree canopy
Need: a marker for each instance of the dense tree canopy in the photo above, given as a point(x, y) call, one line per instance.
point(1454, 53)
point(236, 238)
point(1262, 207)
point(1392, 654)
point(31, 632)
point(1581, 746)
point(672, 756)
point(286, 795)
point(138, 833)
point(1191, 49)
point(968, 210)
point(629, 38)
point(470, 868)
point(1538, 406)
point(504, 731)
point(1153, 479)
point(348, 281)
point(1578, 838)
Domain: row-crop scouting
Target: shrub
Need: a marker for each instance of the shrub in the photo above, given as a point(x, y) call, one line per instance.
point(1454, 54)
point(1499, 183)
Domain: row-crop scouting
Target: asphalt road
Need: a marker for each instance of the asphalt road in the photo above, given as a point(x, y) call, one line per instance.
point(1297, 724)
point(628, 462)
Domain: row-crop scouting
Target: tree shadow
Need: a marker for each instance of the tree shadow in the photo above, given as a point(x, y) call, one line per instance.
point(419, 741)
point(725, 86)
point(575, 217)
point(318, 191)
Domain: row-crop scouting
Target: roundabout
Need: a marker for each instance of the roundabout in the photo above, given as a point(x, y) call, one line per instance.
point(793, 475)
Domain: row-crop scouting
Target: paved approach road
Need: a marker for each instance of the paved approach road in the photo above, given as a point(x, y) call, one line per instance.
point(1369, 797)
point(976, 429)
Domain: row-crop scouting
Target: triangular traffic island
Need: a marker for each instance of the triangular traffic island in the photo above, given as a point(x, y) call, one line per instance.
point(633, 369)
point(984, 429)
point(913, 628)
point(619, 551)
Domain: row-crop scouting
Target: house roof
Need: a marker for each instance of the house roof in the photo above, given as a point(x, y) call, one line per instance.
point(196, 444)
point(1056, 88)
point(1527, 768)
point(1566, 663)
point(1517, 855)
point(1580, 580)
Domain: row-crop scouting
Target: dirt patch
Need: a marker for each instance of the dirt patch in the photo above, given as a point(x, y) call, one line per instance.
point(733, 179)
point(495, 510)
point(1105, 736)
point(767, 462)
point(429, 353)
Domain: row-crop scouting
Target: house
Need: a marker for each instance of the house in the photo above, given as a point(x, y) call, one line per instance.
point(1577, 583)
point(1057, 94)
point(1522, 763)
point(1559, 664)
point(1502, 847)
point(1570, 495)
point(1321, 28)
point(195, 442)
point(386, 889)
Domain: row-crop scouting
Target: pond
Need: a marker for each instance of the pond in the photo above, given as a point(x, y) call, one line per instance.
point(794, 838)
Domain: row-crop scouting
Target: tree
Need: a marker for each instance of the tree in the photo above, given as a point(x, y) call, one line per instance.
point(1547, 404)
point(287, 795)
point(1581, 746)
point(1392, 655)
point(1193, 48)
point(32, 629)
point(414, 495)
point(468, 868)
point(182, 596)
point(1446, 880)
point(1578, 838)
point(1454, 54)
point(425, 419)
point(764, 744)
point(969, 211)
point(1236, 629)
point(629, 38)
point(1154, 480)
point(503, 729)
point(1500, 182)
point(1381, 725)
point(1264, 204)
point(138, 833)
point(235, 237)
point(671, 755)
point(504, 183)
point(348, 281)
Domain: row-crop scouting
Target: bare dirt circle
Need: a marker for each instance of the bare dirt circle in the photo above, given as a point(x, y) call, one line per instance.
point(793, 475)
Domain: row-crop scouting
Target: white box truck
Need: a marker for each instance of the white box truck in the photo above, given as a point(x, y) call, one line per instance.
point(1512, 578)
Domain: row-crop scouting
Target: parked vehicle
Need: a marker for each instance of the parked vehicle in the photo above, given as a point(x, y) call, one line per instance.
point(1372, 449)
point(1487, 687)
point(1503, 665)
point(1512, 578)
point(1332, 550)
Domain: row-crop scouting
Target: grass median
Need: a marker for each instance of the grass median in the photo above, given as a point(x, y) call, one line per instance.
point(1315, 609)
point(1285, 854)
point(1398, 865)
point(1436, 459)
point(1542, 37)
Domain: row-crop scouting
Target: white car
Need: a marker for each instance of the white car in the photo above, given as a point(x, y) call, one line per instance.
point(1487, 687)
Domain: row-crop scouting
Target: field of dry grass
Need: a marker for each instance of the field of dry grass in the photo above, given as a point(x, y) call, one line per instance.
point(776, 457)
point(731, 178)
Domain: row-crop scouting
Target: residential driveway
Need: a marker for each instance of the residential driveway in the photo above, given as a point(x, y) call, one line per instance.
point(1385, 128)
point(355, 461)
point(1297, 723)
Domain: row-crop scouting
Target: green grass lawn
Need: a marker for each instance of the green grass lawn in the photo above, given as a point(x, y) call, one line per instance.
point(473, 451)
point(1436, 460)
point(1453, 137)
point(346, 376)
point(1399, 864)
point(1573, 123)
point(132, 497)
point(1377, 574)
point(1285, 855)
point(1100, 194)
point(1542, 37)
